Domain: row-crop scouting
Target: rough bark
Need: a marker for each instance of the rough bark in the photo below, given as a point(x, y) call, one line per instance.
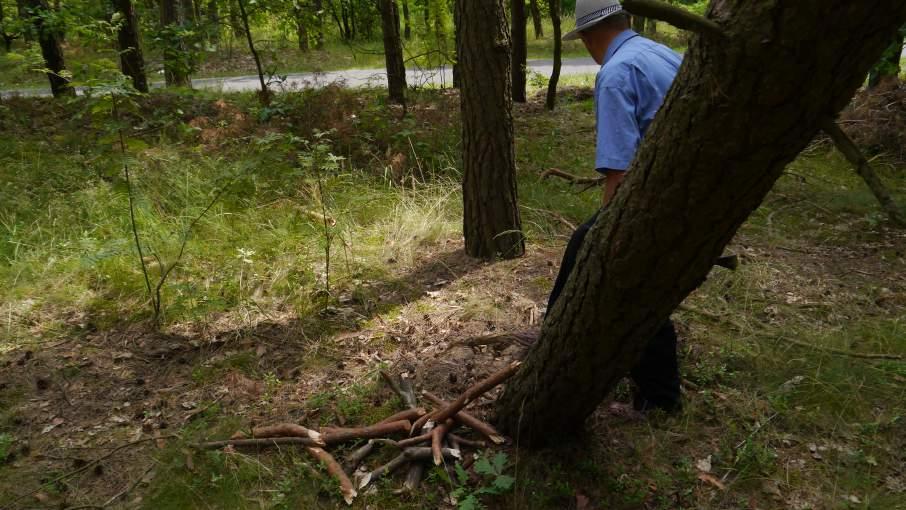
point(491, 224)
point(551, 102)
point(520, 50)
point(393, 51)
point(741, 109)
point(132, 62)
point(175, 72)
point(536, 18)
point(50, 49)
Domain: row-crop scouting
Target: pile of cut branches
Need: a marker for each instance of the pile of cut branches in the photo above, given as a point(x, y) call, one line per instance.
point(422, 437)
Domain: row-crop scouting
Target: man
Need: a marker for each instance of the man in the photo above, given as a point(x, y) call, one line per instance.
point(635, 75)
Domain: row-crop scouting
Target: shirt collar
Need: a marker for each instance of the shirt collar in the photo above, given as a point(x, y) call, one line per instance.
point(618, 43)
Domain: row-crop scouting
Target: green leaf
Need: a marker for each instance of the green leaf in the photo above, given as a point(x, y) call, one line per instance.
point(484, 467)
point(500, 461)
point(470, 503)
point(504, 483)
point(461, 474)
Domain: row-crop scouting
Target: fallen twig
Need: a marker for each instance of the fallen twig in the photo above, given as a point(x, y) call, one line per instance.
point(472, 443)
point(408, 455)
point(263, 442)
point(340, 435)
point(413, 441)
point(288, 430)
point(464, 418)
point(335, 470)
point(523, 338)
point(574, 179)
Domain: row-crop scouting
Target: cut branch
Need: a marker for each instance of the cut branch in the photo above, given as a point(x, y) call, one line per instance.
point(574, 179)
point(437, 439)
point(408, 415)
point(676, 16)
point(474, 392)
point(413, 441)
point(341, 435)
point(335, 470)
point(468, 420)
point(402, 387)
point(408, 455)
point(288, 430)
point(852, 153)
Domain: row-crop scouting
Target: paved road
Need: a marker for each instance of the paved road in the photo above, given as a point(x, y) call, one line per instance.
point(350, 78)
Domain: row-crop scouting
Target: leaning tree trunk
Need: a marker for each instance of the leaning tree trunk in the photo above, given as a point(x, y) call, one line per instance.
point(742, 108)
point(491, 224)
point(393, 51)
point(50, 49)
point(176, 71)
point(520, 51)
point(128, 42)
point(554, 6)
point(536, 18)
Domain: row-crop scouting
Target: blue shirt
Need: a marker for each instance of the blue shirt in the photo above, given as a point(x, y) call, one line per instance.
point(629, 90)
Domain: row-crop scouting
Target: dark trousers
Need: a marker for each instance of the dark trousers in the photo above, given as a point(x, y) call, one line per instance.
point(657, 374)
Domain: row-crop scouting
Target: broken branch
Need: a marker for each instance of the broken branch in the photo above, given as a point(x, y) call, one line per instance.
point(402, 387)
point(412, 441)
point(464, 418)
point(333, 467)
point(287, 430)
point(408, 455)
point(437, 438)
point(407, 415)
point(340, 435)
point(474, 392)
point(574, 179)
point(852, 153)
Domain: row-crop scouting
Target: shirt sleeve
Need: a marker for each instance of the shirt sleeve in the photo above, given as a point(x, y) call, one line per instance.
point(618, 133)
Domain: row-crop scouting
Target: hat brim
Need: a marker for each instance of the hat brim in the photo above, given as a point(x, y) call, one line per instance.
point(572, 36)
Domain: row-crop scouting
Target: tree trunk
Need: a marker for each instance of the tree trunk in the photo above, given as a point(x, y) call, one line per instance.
point(132, 61)
point(652, 26)
point(407, 22)
point(536, 18)
point(520, 49)
point(176, 72)
point(50, 49)
point(301, 28)
point(638, 23)
point(264, 95)
point(741, 109)
point(7, 37)
point(491, 225)
point(22, 10)
point(213, 15)
point(319, 25)
point(457, 23)
point(188, 12)
point(558, 54)
point(235, 22)
point(393, 51)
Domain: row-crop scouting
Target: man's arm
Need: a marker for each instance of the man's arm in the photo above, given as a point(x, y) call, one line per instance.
point(612, 181)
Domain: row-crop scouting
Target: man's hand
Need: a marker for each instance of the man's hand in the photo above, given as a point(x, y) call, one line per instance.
point(612, 181)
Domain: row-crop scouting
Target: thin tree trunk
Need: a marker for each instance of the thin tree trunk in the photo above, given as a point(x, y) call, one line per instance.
point(742, 108)
point(7, 37)
point(22, 10)
point(235, 22)
point(50, 49)
point(852, 153)
point(407, 22)
point(536, 19)
point(558, 54)
point(457, 31)
point(393, 51)
point(213, 15)
point(491, 224)
point(301, 28)
point(638, 23)
point(132, 61)
point(264, 95)
point(652, 26)
point(520, 49)
point(176, 73)
point(188, 12)
point(319, 25)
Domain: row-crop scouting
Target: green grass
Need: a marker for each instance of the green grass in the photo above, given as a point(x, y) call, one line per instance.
point(818, 273)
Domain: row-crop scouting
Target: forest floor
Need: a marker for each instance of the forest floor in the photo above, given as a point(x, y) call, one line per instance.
point(782, 409)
